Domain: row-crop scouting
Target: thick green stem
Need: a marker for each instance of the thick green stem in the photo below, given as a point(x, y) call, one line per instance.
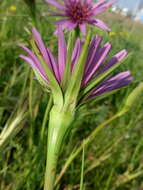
point(51, 166)
point(59, 126)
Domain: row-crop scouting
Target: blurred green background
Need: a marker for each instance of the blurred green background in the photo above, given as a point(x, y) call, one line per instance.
point(114, 158)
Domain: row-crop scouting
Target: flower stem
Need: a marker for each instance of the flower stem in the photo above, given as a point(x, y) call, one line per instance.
point(50, 174)
point(59, 126)
point(86, 142)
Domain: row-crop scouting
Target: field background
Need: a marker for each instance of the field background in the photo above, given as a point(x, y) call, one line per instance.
point(113, 159)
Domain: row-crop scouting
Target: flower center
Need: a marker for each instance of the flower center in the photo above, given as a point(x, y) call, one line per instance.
point(79, 13)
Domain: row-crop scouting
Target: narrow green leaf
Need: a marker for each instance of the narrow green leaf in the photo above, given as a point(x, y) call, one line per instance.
point(71, 42)
point(82, 170)
point(40, 79)
point(75, 82)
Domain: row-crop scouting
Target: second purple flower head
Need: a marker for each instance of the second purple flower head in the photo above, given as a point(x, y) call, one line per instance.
point(78, 13)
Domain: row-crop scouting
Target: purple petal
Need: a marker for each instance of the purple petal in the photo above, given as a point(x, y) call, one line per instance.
point(34, 66)
point(99, 24)
point(30, 61)
point(116, 58)
point(98, 59)
point(110, 3)
point(67, 2)
point(62, 52)
point(41, 47)
point(69, 24)
point(95, 43)
point(98, 4)
point(98, 7)
point(113, 83)
point(97, 11)
point(83, 28)
point(34, 59)
point(88, 2)
point(54, 65)
point(101, 6)
point(56, 4)
point(114, 79)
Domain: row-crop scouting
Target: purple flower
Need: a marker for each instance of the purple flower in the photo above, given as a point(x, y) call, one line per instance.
point(95, 64)
point(78, 13)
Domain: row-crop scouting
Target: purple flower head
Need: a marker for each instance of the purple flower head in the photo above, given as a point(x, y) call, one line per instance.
point(78, 13)
point(96, 64)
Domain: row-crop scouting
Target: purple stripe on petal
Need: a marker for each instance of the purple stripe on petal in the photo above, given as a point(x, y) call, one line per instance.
point(41, 47)
point(62, 52)
point(56, 4)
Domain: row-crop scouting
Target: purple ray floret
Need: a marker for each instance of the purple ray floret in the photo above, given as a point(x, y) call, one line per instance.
point(113, 83)
point(78, 13)
point(97, 63)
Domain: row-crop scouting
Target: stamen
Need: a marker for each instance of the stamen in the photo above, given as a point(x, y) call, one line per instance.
point(78, 12)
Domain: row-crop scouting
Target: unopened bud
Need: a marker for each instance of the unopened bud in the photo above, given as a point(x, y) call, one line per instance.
point(134, 96)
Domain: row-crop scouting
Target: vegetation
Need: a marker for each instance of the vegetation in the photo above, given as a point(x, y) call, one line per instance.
point(113, 160)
